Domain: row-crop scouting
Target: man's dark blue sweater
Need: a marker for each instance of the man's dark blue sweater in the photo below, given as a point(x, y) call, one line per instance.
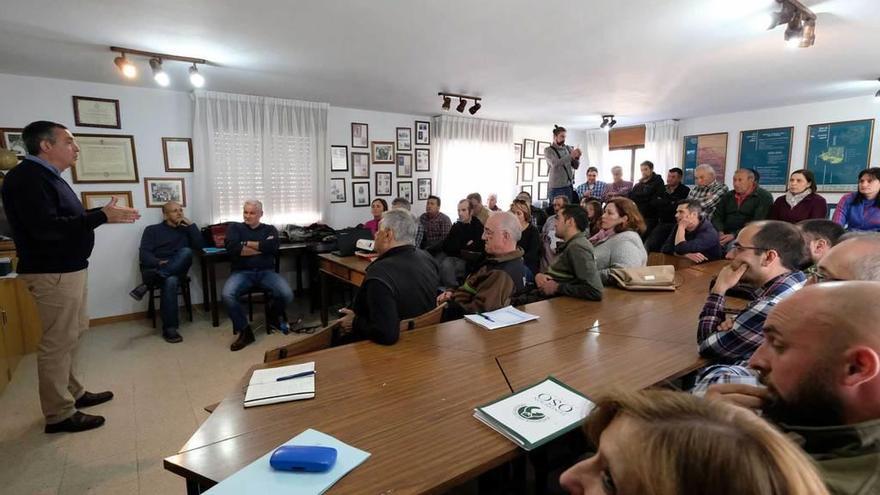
point(162, 241)
point(239, 233)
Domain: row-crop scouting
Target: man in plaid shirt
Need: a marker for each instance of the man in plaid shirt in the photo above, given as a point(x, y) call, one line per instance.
point(765, 254)
point(435, 224)
point(592, 188)
point(707, 190)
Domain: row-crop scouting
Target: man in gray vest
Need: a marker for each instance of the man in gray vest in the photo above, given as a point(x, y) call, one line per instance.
point(563, 160)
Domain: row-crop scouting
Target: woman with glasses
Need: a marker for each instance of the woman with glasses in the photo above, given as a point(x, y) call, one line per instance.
point(800, 202)
point(861, 210)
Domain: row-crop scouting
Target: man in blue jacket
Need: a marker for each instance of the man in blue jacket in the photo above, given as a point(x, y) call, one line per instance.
point(252, 247)
point(694, 237)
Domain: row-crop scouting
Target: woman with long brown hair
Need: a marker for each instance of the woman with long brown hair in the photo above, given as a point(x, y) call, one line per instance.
point(623, 248)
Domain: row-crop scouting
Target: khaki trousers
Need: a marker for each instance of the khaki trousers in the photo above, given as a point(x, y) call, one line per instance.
point(63, 307)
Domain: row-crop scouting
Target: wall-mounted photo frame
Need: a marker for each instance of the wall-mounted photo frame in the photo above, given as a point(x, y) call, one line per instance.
point(404, 165)
point(383, 183)
point(105, 159)
point(160, 190)
point(96, 112)
point(10, 139)
point(704, 149)
point(423, 160)
point(542, 191)
point(424, 188)
point(540, 147)
point(339, 158)
point(178, 154)
point(837, 151)
point(360, 135)
point(382, 152)
point(360, 194)
point(526, 188)
point(337, 190)
point(404, 190)
point(98, 199)
point(543, 168)
point(360, 165)
point(423, 133)
point(528, 171)
point(517, 152)
point(404, 139)
point(528, 149)
point(516, 174)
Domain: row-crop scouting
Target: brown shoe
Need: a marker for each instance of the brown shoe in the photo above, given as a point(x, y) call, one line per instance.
point(78, 422)
point(245, 338)
point(89, 399)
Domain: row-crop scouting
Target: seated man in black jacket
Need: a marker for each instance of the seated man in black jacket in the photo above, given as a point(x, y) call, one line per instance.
point(647, 194)
point(165, 256)
point(666, 205)
point(252, 247)
point(401, 283)
point(463, 247)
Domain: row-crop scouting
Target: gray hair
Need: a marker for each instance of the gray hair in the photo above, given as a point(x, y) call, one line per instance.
point(402, 223)
point(401, 203)
point(616, 167)
point(706, 168)
point(254, 202)
point(508, 222)
point(866, 267)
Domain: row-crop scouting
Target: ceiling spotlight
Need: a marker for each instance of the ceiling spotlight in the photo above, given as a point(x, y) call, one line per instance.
point(196, 79)
point(461, 104)
point(476, 107)
point(446, 102)
point(612, 123)
point(608, 122)
point(159, 73)
point(808, 38)
point(125, 66)
point(783, 16)
point(799, 21)
point(794, 32)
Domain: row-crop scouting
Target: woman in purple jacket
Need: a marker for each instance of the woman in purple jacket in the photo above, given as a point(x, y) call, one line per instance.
point(800, 201)
point(861, 210)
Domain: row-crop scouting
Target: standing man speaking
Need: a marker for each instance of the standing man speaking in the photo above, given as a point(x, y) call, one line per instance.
point(563, 160)
point(54, 236)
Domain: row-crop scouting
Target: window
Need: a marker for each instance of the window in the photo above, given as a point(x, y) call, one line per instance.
point(628, 159)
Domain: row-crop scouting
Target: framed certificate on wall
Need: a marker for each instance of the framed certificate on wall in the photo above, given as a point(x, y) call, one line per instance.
point(105, 158)
point(96, 112)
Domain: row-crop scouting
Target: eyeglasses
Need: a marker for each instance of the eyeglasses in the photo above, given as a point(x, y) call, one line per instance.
point(817, 276)
point(739, 247)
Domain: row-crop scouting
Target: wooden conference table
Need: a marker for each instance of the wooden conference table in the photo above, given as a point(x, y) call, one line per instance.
point(411, 404)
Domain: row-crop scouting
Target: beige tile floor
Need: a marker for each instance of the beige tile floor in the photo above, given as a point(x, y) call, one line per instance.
point(160, 391)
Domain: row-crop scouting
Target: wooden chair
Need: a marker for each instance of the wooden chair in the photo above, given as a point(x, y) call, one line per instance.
point(182, 290)
point(321, 339)
point(432, 317)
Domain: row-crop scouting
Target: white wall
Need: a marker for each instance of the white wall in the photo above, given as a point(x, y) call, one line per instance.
point(799, 116)
point(148, 115)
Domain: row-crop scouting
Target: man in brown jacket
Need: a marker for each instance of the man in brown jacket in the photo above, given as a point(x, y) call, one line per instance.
point(498, 278)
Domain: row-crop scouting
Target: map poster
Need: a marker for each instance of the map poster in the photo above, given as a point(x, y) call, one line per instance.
point(838, 151)
point(767, 152)
point(709, 149)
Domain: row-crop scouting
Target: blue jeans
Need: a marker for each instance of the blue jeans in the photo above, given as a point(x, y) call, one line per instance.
point(560, 191)
point(167, 278)
point(242, 281)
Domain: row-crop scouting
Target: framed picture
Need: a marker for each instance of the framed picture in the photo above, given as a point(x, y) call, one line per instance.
point(768, 152)
point(339, 158)
point(423, 133)
point(360, 135)
point(526, 188)
point(423, 160)
point(10, 139)
point(516, 175)
point(837, 152)
point(517, 152)
point(337, 190)
point(539, 149)
point(383, 183)
point(528, 171)
point(160, 190)
point(383, 152)
point(96, 112)
point(542, 191)
point(360, 165)
point(360, 194)
point(97, 199)
point(528, 149)
point(404, 165)
point(404, 139)
point(424, 188)
point(543, 168)
point(178, 154)
point(708, 149)
point(404, 190)
point(105, 158)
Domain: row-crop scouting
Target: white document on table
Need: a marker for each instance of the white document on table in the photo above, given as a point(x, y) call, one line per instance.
point(264, 387)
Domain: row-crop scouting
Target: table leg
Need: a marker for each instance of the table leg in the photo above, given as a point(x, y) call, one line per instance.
point(325, 288)
point(193, 487)
point(206, 303)
point(212, 281)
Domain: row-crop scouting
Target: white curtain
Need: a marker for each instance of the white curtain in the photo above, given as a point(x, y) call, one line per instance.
point(662, 145)
point(472, 155)
point(254, 147)
point(596, 153)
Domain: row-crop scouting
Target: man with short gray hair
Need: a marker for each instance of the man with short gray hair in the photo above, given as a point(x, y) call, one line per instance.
point(707, 190)
point(401, 283)
point(854, 258)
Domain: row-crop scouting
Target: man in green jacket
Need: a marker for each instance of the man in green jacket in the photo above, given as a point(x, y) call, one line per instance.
point(746, 203)
point(573, 272)
point(820, 364)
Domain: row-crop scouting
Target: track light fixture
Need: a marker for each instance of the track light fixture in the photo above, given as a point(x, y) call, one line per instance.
point(608, 122)
point(462, 102)
point(800, 23)
point(161, 77)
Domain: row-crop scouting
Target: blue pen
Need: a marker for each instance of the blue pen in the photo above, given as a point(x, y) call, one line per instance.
point(486, 317)
point(296, 375)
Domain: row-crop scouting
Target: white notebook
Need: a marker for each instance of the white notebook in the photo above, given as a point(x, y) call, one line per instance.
point(264, 387)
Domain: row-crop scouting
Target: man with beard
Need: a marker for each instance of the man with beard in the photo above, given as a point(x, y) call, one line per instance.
point(820, 363)
point(563, 160)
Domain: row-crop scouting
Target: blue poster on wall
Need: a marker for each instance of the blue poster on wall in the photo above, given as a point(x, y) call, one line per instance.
point(838, 151)
point(768, 152)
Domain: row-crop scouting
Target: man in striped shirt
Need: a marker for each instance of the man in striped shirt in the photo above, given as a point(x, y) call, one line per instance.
point(707, 190)
point(592, 188)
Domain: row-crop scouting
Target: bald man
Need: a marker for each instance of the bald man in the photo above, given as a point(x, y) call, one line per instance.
point(856, 258)
point(166, 254)
point(820, 367)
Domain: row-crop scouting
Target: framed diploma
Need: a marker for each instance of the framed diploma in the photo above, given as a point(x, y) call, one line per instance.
point(160, 190)
point(96, 112)
point(97, 199)
point(105, 158)
point(178, 153)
